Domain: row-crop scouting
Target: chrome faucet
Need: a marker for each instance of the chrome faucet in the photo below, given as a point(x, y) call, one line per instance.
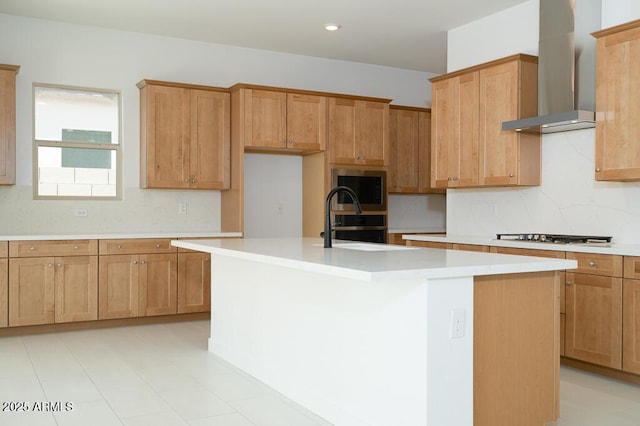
point(327, 211)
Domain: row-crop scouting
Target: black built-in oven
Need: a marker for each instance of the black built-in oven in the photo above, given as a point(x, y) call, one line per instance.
point(365, 227)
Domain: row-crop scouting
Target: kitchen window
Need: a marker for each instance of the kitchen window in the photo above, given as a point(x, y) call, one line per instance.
point(77, 149)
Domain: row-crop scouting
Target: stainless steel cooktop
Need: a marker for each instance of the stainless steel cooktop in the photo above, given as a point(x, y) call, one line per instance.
point(554, 238)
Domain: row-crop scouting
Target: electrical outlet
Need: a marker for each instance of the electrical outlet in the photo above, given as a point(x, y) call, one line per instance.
point(457, 323)
point(80, 212)
point(182, 207)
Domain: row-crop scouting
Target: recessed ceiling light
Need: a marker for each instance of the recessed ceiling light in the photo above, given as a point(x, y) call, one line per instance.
point(332, 27)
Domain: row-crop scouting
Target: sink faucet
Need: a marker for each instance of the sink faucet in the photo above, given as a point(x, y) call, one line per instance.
point(327, 211)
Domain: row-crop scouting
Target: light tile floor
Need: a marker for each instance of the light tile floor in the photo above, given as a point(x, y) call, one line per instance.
point(163, 375)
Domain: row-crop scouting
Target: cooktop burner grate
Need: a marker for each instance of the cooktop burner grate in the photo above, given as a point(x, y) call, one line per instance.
point(554, 238)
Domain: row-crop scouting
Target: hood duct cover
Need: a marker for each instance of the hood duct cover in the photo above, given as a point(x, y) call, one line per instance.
point(566, 67)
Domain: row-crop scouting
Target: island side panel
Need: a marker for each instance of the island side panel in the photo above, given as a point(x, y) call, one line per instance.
point(353, 352)
point(516, 349)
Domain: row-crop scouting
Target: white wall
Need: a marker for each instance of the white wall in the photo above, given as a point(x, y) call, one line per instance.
point(569, 199)
point(58, 53)
point(273, 195)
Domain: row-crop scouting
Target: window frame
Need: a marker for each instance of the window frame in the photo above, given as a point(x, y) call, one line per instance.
point(116, 147)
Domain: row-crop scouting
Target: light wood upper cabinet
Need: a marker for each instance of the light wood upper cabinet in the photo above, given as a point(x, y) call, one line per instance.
point(8, 124)
point(280, 120)
point(469, 147)
point(410, 151)
point(185, 136)
point(358, 132)
point(618, 103)
point(454, 131)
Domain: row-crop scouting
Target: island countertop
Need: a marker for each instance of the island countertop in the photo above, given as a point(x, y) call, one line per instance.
point(373, 262)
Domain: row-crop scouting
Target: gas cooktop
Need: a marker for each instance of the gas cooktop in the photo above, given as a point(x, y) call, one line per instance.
point(554, 238)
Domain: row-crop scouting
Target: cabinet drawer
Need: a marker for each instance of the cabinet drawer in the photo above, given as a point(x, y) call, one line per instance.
point(632, 267)
point(597, 264)
point(529, 252)
point(470, 247)
point(136, 246)
point(53, 248)
point(4, 249)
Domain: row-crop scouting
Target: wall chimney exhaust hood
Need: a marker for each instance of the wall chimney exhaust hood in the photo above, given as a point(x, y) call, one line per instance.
point(566, 68)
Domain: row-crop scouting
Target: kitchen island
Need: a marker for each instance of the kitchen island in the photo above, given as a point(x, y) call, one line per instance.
point(372, 334)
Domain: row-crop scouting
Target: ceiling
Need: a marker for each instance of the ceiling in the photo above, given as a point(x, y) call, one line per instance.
point(408, 34)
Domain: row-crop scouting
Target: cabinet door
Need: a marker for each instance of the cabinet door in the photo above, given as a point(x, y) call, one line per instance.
point(209, 149)
point(265, 118)
point(404, 141)
point(631, 326)
point(8, 125)
point(498, 149)
point(372, 133)
point(194, 282)
point(342, 131)
point(76, 288)
point(118, 286)
point(594, 319)
point(618, 106)
point(306, 122)
point(454, 132)
point(4, 293)
point(158, 284)
point(424, 154)
point(165, 156)
point(31, 291)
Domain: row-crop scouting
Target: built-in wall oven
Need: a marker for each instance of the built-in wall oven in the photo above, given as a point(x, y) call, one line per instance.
point(371, 188)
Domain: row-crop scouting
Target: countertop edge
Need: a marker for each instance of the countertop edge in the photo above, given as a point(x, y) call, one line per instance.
point(114, 236)
point(597, 248)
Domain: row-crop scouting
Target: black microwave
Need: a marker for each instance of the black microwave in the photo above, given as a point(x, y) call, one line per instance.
point(369, 185)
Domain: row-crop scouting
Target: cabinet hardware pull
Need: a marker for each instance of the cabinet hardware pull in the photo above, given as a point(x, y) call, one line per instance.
point(119, 246)
point(597, 169)
point(142, 261)
point(568, 283)
point(49, 265)
point(207, 259)
point(157, 245)
point(186, 181)
point(592, 263)
point(75, 247)
point(193, 181)
point(32, 248)
point(510, 174)
point(135, 262)
point(59, 265)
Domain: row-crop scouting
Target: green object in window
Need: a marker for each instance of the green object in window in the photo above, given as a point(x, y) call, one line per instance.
point(86, 158)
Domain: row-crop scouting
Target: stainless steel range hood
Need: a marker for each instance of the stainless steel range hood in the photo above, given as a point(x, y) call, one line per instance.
point(566, 68)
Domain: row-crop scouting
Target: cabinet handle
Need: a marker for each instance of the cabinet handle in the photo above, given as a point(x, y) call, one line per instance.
point(157, 245)
point(186, 181)
point(592, 263)
point(32, 248)
point(118, 246)
point(207, 259)
point(510, 174)
point(568, 283)
point(193, 181)
point(49, 265)
point(75, 247)
point(455, 178)
point(59, 265)
point(597, 169)
point(142, 261)
point(135, 262)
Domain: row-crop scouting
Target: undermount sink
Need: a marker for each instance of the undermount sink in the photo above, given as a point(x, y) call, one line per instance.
point(368, 247)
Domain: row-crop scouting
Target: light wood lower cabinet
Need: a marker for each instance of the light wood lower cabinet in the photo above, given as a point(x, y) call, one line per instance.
point(194, 282)
point(31, 291)
point(631, 326)
point(137, 285)
point(4, 293)
point(76, 288)
point(594, 319)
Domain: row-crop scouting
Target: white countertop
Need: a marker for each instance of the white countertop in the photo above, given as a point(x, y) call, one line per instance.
point(393, 263)
point(601, 248)
point(96, 236)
